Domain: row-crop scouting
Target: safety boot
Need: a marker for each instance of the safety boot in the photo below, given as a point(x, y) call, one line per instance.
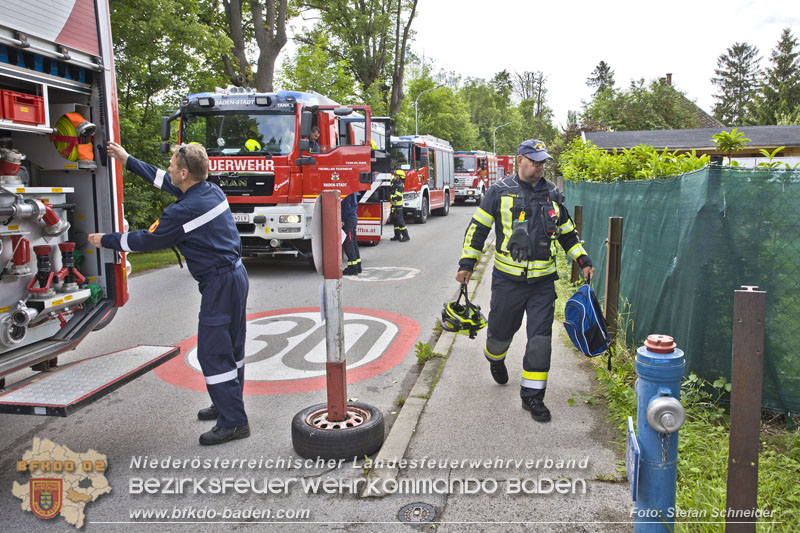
point(499, 371)
point(537, 408)
point(208, 413)
point(397, 235)
point(352, 270)
point(218, 434)
point(404, 236)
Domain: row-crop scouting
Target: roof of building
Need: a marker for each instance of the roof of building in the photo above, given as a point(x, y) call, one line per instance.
point(701, 138)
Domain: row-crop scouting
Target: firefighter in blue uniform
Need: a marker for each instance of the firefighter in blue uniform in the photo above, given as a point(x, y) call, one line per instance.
point(350, 225)
point(396, 199)
point(529, 217)
point(201, 225)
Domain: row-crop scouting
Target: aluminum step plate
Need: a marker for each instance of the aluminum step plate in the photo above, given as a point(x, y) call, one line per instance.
point(64, 391)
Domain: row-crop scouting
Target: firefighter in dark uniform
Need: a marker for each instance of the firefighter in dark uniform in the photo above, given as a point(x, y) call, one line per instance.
point(201, 225)
point(350, 225)
point(529, 217)
point(396, 199)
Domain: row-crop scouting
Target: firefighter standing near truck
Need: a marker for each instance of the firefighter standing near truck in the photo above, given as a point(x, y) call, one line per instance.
point(529, 217)
point(201, 225)
point(396, 199)
point(350, 225)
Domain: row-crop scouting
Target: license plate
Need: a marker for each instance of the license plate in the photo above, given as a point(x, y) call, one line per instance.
point(241, 217)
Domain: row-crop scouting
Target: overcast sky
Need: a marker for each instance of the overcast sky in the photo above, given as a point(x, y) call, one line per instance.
point(567, 39)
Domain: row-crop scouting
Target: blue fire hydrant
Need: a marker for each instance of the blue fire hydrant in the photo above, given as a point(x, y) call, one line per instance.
point(659, 367)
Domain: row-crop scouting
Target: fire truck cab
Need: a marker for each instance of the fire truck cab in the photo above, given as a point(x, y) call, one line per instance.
point(261, 156)
point(428, 165)
point(475, 172)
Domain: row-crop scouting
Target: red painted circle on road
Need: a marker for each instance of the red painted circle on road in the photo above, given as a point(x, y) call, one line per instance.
point(179, 373)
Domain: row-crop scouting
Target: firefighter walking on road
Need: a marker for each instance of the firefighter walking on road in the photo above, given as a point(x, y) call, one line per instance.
point(200, 224)
point(396, 199)
point(529, 217)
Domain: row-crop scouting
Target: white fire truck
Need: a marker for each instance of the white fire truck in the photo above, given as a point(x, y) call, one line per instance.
point(57, 185)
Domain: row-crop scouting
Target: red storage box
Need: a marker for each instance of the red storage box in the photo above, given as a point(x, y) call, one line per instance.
point(22, 108)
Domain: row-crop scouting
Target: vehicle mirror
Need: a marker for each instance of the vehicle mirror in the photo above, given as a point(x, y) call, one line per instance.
point(304, 145)
point(164, 128)
point(305, 123)
point(164, 148)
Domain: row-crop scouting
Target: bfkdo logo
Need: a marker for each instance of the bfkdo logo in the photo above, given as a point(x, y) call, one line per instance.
point(46, 495)
point(60, 486)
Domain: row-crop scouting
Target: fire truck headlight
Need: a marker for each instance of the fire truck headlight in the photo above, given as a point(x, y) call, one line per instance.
point(410, 195)
point(289, 219)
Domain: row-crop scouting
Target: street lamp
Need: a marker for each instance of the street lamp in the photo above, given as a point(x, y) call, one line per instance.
point(416, 109)
point(494, 138)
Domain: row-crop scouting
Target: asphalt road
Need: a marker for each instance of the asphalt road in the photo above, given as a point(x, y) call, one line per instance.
point(403, 287)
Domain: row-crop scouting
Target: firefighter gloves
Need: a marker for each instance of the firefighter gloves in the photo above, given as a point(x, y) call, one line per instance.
point(519, 245)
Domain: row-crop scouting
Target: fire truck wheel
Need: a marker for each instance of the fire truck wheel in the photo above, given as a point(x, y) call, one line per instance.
point(443, 211)
point(361, 433)
point(421, 216)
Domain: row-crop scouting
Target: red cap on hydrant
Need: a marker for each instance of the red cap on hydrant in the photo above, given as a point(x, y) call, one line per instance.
point(660, 344)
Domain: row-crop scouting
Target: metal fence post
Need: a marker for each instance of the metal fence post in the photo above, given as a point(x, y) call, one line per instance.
point(577, 217)
point(747, 369)
point(613, 269)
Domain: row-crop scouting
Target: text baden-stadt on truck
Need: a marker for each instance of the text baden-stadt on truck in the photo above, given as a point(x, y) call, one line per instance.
point(57, 110)
point(476, 171)
point(261, 156)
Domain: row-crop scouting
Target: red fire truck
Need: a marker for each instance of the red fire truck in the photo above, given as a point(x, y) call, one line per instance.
point(428, 165)
point(475, 172)
point(260, 155)
point(57, 110)
point(507, 165)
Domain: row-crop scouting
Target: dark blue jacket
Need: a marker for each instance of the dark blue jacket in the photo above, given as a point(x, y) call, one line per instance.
point(350, 206)
point(199, 223)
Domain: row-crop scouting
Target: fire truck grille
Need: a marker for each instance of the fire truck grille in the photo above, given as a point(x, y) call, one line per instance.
point(244, 184)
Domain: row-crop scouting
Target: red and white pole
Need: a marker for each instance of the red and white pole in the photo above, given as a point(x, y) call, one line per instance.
point(335, 368)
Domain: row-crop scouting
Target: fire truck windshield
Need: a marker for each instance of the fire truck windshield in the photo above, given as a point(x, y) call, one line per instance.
point(400, 155)
point(464, 163)
point(236, 133)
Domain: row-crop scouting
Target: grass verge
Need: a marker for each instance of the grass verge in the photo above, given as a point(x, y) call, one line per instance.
point(703, 440)
point(144, 261)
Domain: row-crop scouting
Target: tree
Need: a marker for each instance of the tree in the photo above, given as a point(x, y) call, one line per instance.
point(313, 68)
point(737, 79)
point(269, 33)
point(503, 87)
point(780, 90)
point(156, 63)
point(654, 107)
point(400, 43)
point(526, 83)
point(371, 37)
point(602, 78)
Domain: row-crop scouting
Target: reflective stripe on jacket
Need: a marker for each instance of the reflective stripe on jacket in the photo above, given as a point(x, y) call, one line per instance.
point(511, 202)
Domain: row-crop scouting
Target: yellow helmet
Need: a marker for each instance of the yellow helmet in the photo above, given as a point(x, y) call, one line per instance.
point(372, 143)
point(400, 173)
point(252, 145)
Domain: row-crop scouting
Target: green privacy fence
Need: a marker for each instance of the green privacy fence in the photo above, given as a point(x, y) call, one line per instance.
point(690, 241)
